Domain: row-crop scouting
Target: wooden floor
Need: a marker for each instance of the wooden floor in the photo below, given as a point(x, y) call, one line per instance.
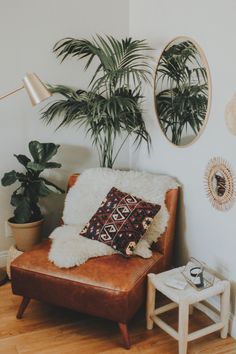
point(51, 330)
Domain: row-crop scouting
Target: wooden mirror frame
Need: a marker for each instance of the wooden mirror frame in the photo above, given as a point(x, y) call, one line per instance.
point(205, 63)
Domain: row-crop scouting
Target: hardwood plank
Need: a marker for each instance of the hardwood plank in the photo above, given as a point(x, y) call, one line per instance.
point(47, 329)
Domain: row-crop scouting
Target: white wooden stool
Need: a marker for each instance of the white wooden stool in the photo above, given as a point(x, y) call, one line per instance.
point(187, 299)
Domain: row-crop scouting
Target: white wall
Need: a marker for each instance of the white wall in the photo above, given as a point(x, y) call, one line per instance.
point(29, 29)
point(204, 232)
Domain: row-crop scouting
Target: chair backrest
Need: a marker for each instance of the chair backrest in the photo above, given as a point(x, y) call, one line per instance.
point(166, 242)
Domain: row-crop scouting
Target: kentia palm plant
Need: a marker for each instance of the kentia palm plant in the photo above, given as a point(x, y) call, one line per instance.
point(112, 105)
point(182, 104)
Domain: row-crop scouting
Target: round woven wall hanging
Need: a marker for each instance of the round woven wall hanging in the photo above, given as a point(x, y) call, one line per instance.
point(219, 183)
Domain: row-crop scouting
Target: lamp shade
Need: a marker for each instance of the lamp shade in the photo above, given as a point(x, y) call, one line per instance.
point(35, 88)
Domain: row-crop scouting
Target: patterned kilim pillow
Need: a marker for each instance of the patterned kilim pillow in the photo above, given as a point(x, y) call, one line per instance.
point(121, 220)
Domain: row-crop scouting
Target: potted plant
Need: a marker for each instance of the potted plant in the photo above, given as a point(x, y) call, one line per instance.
point(111, 107)
point(27, 220)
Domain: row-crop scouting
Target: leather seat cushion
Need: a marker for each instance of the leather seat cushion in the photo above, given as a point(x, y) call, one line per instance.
point(111, 287)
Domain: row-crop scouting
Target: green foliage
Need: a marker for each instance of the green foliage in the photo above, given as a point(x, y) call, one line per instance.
point(110, 108)
point(184, 103)
point(32, 187)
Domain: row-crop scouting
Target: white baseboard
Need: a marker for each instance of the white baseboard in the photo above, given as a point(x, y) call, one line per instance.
point(3, 258)
point(215, 301)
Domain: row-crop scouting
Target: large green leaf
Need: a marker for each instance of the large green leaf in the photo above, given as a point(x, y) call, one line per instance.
point(42, 152)
point(36, 212)
point(23, 177)
point(42, 189)
point(31, 192)
point(9, 178)
point(39, 167)
point(16, 198)
point(53, 187)
point(52, 165)
point(22, 159)
point(22, 213)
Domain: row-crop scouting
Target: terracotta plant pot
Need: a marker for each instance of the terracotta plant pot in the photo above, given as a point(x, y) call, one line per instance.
point(26, 235)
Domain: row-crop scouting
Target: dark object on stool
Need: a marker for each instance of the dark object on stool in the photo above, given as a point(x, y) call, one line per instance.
point(3, 277)
point(111, 287)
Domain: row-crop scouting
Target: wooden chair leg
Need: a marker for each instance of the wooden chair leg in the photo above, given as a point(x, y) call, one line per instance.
point(125, 334)
point(24, 303)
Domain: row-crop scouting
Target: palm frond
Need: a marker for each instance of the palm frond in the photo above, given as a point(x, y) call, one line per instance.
point(72, 109)
point(121, 61)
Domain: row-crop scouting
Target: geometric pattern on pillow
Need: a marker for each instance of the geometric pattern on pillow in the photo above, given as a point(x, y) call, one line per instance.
point(120, 221)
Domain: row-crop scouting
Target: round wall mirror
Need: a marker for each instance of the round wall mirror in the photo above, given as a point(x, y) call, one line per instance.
point(182, 91)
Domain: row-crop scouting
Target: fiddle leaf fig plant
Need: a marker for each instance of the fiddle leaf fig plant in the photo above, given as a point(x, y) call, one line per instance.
point(32, 186)
point(111, 107)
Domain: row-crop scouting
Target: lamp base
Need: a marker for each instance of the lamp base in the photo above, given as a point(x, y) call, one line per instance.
point(3, 277)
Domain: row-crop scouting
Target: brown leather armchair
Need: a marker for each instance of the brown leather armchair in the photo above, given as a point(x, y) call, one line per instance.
point(112, 287)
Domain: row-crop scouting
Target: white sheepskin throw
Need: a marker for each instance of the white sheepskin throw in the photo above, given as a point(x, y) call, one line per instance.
point(84, 198)
point(69, 249)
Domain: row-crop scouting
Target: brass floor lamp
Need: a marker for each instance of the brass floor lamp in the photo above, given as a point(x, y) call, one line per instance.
point(37, 93)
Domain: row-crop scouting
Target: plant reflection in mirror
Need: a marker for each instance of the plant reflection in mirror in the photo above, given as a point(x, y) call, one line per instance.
point(183, 98)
